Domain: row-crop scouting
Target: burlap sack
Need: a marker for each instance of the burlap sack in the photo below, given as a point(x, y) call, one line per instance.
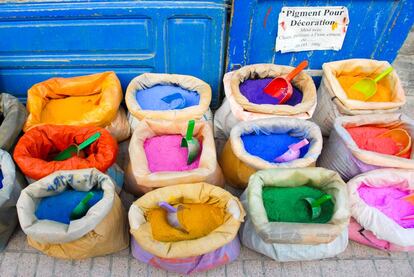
point(343, 155)
point(334, 102)
point(238, 165)
point(9, 194)
point(147, 80)
point(103, 230)
point(14, 115)
point(139, 179)
point(372, 219)
point(185, 193)
point(236, 107)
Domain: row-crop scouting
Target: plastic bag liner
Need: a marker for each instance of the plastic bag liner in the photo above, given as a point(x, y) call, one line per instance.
point(103, 88)
point(35, 149)
point(139, 179)
point(148, 80)
point(103, 230)
point(237, 164)
point(186, 193)
point(14, 115)
point(9, 194)
point(236, 107)
point(334, 102)
point(343, 155)
point(388, 235)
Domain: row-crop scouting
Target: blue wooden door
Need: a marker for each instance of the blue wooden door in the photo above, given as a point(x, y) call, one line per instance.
point(377, 30)
point(68, 38)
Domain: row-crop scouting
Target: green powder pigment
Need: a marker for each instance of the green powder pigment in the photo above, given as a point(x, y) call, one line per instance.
point(288, 205)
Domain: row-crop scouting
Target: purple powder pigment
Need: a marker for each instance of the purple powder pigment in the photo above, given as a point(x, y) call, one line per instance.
point(389, 201)
point(252, 89)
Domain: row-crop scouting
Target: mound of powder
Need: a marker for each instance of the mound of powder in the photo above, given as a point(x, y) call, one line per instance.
point(269, 147)
point(164, 153)
point(252, 89)
point(388, 201)
point(366, 138)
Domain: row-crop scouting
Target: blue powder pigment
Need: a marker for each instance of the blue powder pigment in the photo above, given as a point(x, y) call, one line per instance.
point(175, 98)
point(269, 147)
point(252, 89)
point(59, 207)
point(1, 179)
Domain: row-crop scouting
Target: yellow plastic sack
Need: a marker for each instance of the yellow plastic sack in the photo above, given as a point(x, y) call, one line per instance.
point(103, 230)
point(139, 179)
point(186, 193)
point(238, 165)
point(83, 100)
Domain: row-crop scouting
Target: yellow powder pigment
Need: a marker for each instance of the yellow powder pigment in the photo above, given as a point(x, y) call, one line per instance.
point(198, 219)
point(383, 92)
point(69, 108)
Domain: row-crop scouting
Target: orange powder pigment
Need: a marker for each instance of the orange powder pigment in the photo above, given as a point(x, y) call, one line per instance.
point(69, 108)
point(198, 219)
point(383, 92)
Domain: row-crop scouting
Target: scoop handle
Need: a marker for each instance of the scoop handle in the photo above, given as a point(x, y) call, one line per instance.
point(299, 145)
point(322, 199)
point(297, 70)
point(383, 74)
point(89, 140)
point(190, 130)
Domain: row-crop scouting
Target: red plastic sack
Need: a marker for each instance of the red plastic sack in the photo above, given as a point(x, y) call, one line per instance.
point(35, 150)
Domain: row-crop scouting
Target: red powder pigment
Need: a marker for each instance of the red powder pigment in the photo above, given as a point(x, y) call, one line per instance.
point(165, 154)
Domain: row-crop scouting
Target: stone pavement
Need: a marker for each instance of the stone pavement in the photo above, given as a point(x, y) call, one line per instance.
point(19, 259)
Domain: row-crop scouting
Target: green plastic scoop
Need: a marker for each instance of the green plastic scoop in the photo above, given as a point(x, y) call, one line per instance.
point(315, 204)
point(191, 143)
point(75, 149)
point(82, 208)
point(367, 86)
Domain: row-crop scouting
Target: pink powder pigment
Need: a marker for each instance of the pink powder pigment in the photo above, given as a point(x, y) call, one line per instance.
point(388, 201)
point(165, 154)
point(366, 138)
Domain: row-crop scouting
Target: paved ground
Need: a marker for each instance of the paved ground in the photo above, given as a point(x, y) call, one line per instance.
point(20, 260)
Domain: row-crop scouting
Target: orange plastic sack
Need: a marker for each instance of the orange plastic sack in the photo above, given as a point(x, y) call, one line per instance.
point(35, 150)
point(91, 100)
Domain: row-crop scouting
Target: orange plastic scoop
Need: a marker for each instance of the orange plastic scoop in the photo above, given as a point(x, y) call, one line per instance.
point(402, 138)
point(280, 87)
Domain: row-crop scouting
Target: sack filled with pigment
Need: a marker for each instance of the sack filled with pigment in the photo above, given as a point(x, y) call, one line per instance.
point(13, 115)
point(186, 228)
point(90, 100)
point(37, 150)
point(73, 214)
point(10, 187)
point(337, 97)
point(157, 158)
point(362, 143)
point(382, 205)
point(169, 97)
point(260, 144)
point(245, 99)
point(281, 220)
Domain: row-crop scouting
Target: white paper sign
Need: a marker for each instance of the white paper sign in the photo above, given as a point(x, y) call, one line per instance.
point(311, 28)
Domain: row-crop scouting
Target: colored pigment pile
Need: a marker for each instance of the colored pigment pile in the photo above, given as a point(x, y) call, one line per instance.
point(388, 201)
point(383, 94)
point(197, 219)
point(166, 97)
point(59, 207)
point(269, 147)
point(253, 91)
point(69, 108)
point(367, 138)
point(283, 204)
point(164, 153)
